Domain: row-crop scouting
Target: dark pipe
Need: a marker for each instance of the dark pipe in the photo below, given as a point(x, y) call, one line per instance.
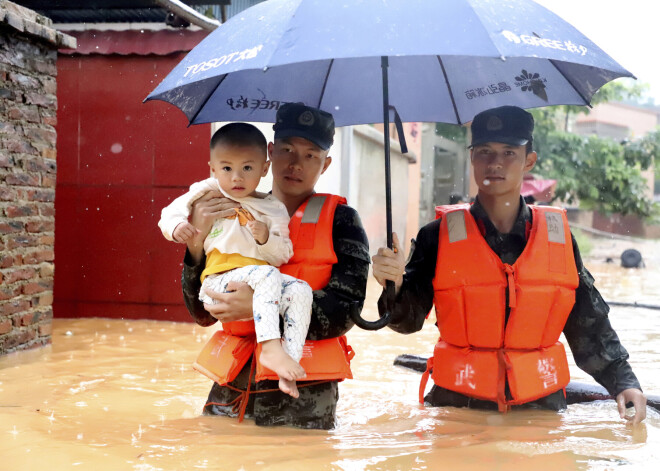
point(635, 304)
point(575, 392)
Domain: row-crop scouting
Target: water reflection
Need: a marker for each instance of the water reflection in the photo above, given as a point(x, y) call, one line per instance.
point(114, 395)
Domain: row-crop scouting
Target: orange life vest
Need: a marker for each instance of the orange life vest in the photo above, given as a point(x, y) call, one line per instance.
point(478, 351)
point(227, 352)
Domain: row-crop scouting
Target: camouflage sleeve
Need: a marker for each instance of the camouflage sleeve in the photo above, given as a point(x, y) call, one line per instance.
point(594, 343)
point(345, 292)
point(191, 284)
point(415, 298)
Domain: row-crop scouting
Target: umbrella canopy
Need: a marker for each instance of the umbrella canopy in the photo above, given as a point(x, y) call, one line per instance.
point(448, 60)
point(434, 61)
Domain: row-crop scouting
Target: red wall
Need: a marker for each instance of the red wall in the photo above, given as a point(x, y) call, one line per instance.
point(119, 162)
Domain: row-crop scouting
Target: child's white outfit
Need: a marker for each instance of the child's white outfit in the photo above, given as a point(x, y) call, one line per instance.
point(232, 254)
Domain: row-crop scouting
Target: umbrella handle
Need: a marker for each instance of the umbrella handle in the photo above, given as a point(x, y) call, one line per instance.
point(384, 318)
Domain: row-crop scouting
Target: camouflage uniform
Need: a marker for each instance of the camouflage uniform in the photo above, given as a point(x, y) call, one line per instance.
point(345, 292)
point(593, 341)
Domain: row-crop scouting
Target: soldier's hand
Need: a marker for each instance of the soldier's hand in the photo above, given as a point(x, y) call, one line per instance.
point(204, 212)
point(639, 403)
point(210, 207)
point(389, 264)
point(233, 305)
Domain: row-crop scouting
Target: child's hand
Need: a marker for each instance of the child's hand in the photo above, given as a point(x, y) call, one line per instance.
point(259, 231)
point(184, 232)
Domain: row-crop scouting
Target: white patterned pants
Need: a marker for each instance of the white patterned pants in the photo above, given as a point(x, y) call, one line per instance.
point(275, 295)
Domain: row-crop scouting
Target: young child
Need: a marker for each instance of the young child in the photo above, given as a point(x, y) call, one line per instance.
point(248, 246)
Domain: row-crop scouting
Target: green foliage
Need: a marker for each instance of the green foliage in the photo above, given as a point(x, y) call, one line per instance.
point(645, 150)
point(209, 13)
point(558, 117)
point(601, 173)
point(618, 90)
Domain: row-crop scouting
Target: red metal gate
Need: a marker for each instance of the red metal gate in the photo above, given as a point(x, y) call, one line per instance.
point(119, 162)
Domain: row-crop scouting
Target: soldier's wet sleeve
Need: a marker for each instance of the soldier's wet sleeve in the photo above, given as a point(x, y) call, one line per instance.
point(345, 292)
point(415, 298)
point(594, 343)
point(190, 285)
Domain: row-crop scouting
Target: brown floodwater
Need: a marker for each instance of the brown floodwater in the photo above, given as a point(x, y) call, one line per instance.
point(121, 395)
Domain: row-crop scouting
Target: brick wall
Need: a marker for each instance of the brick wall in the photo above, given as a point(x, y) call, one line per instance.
point(28, 106)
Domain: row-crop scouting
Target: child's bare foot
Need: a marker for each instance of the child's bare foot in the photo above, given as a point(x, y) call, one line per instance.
point(275, 358)
point(289, 387)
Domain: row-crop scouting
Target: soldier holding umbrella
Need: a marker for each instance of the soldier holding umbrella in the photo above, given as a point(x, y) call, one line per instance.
point(505, 279)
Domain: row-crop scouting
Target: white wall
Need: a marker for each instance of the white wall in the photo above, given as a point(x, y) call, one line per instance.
point(368, 185)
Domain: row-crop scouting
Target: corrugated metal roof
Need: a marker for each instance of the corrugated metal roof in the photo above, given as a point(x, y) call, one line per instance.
point(105, 4)
point(161, 42)
point(83, 4)
point(236, 6)
point(113, 11)
point(119, 15)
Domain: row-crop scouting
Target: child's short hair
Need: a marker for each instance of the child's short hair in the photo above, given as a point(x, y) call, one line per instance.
point(239, 134)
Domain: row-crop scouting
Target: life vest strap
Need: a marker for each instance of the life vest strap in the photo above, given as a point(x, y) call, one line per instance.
point(511, 282)
point(502, 365)
point(425, 379)
point(240, 402)
point(350, 353)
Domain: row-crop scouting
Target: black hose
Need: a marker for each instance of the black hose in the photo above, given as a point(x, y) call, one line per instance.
point(635, 304)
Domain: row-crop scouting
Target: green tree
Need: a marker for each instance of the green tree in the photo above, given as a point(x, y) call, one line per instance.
point(649, 147)
point(556, 118)
point(600, 173)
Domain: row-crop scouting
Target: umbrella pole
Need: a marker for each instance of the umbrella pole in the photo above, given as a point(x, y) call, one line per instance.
point(390, 294)
point(386, 137)
point(389, 290)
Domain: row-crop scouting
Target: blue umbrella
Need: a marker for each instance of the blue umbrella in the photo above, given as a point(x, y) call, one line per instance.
point(430, 60)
